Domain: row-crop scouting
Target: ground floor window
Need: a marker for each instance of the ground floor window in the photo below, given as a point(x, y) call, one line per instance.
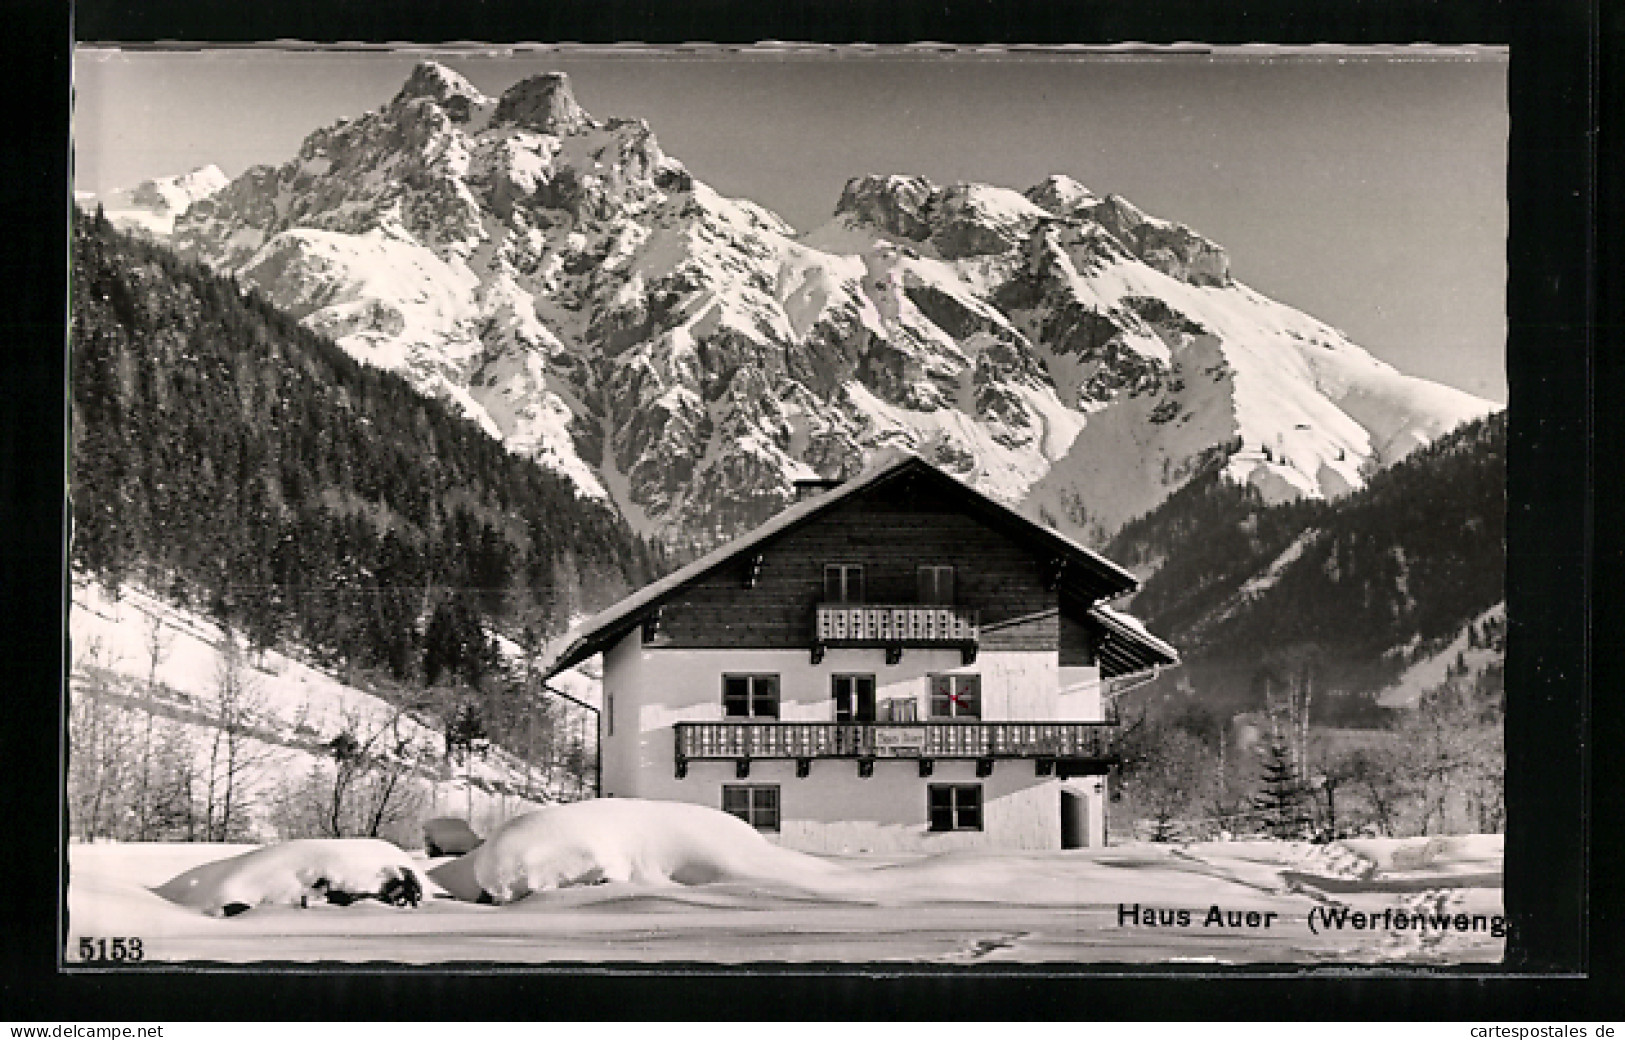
point(756, 804)
point(954, 807)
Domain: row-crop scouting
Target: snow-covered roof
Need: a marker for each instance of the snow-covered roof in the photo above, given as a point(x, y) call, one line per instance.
point(1104, 579)
point(1127, 647)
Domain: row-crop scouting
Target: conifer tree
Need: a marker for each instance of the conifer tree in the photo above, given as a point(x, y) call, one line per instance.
point(1280, 799)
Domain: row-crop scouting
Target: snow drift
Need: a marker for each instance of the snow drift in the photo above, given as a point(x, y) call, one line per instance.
point(963, 907)
point(335, 870)
point(624, 839)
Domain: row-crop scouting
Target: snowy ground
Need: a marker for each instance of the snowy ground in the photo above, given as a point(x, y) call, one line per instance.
point(783, 906)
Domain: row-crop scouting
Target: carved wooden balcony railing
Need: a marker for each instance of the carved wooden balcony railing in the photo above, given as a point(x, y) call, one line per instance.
point(1076, 747)
point(894, 627)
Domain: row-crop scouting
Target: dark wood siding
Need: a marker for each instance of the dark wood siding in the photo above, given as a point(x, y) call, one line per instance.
point(1077, 643)
point(890, 530)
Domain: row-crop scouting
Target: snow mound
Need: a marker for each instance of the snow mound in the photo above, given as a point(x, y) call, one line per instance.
point(336, 870)
point(1443, 855)
point(623, 839)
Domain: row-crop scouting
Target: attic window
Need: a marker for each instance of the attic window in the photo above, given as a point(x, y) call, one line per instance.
point(936, 585)
point(843, 583)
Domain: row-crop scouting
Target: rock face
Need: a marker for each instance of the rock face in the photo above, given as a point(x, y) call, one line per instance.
point(152, 206)
point(544, 104)
point(589, 301)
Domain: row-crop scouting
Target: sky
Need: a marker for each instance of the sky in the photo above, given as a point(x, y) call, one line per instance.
point(1366, 189)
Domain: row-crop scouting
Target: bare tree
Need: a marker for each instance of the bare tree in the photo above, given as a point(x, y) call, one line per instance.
point(235, 757)
point(1168, 778)
point(1450, 745)
point(156, 643)
point(100, 746)
point(1289, 683)
point(373, 767)
point(1378, 776)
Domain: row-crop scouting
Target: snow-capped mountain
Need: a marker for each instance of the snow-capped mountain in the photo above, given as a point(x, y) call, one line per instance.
point(584, 297)
point(153, 205)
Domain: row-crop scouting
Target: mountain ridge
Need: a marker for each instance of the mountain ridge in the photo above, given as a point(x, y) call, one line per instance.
point(1370, 586)
point(586, 299)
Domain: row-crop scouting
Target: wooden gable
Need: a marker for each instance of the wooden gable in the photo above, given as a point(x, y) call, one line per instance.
point(890, 530)
point(761, 589)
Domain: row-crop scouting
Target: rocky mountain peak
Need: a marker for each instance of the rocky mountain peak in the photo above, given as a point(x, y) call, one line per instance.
point(895, 203)
point(436, 82)
point(959, 220)
point(1060, 195)
point(543, 103)
point(176, 193)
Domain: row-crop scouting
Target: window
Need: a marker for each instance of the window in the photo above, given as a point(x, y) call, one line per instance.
point(609, 713)
point(936, 585)
point(954, 807)
point(756, 804)
point(750, 696)
point(956, 696)
point(843, 583)
point(854, 697)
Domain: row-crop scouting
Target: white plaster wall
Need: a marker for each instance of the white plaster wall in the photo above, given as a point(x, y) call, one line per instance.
point(1079, 696)
point(834, 809)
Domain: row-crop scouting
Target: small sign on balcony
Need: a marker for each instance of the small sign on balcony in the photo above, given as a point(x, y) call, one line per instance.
point(899, 742)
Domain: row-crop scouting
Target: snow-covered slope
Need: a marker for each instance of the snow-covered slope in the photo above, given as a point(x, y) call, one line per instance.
point(289, 711)
point(153, 205)
point(1463, 655)
point(580, 294)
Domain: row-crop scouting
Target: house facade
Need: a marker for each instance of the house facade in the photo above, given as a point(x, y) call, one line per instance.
point(899, 663)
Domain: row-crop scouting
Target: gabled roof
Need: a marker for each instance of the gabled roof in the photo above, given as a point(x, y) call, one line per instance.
point(1088, 575)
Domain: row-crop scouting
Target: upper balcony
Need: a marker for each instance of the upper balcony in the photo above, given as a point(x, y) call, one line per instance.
point(895, 627)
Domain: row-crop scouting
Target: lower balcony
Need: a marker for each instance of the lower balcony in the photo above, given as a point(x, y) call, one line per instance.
point(1063, 748)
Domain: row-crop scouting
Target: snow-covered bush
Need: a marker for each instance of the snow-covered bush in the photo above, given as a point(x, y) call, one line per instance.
point(296, 873)
point(622, 839)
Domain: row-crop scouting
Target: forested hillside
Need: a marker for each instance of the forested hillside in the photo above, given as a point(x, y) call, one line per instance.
point(233, 460)
point(1363, 585)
